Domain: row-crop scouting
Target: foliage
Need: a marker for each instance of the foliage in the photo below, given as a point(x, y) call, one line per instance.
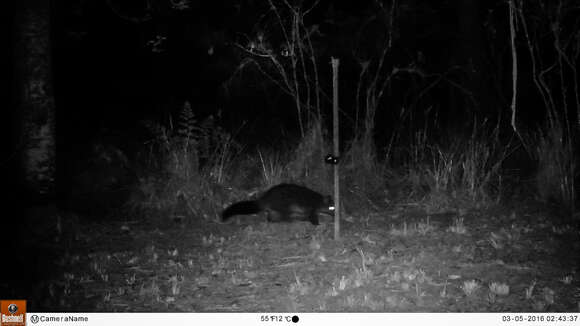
point(185, 163)
point(454, 170)
point(557, 169)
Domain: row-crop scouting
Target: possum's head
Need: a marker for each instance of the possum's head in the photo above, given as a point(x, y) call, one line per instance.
point(328, 204)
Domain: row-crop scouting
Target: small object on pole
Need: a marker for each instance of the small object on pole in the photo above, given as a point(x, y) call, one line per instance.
point(331, 159)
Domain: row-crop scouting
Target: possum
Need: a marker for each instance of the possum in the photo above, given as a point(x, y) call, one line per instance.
point(284, 203)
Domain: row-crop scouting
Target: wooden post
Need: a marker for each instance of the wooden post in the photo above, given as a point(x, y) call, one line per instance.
point(335, 63)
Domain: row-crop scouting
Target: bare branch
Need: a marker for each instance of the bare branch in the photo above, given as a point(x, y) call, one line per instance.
point(134, 19)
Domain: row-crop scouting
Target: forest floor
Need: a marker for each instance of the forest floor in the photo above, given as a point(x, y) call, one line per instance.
point(401, 260)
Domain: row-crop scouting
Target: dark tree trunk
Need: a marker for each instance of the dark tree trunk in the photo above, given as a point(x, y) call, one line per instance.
point(34, 97)
point(33, 135)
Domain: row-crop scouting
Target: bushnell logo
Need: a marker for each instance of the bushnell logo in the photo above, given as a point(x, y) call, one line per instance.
point(12, 313)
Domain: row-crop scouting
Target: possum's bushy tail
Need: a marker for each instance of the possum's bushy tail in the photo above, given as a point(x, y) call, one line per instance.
point(241, 208)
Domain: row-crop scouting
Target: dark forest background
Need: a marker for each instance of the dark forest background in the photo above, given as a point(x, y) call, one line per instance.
point(437, 70)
